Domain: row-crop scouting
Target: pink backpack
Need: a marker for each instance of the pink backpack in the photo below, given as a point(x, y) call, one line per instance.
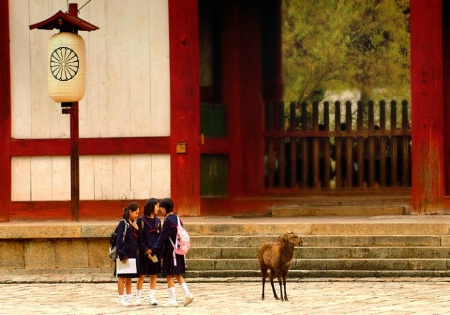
point(182, 242)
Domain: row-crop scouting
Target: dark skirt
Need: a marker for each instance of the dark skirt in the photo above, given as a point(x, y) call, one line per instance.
point(129, 275)
point(148, 267)
point(168, 267)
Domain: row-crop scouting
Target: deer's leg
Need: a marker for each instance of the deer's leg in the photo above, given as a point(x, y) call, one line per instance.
point(273, 288)
point(264, 274)
point(280, 282)
point(284, 284)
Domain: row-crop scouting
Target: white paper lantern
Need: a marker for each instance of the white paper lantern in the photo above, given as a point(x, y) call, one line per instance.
point(67, 67)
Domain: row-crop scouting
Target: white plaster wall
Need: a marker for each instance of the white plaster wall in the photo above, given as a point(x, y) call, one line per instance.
point(101, 177)
point(127, 95)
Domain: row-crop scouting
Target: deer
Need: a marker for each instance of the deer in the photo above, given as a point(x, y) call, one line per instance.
point(277, 259)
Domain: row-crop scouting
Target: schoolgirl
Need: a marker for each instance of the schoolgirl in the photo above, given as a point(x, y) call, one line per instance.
point(150, 227)
point(170, 270)
point(127, 247)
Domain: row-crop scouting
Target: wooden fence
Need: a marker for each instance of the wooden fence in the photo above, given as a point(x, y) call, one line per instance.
point(334, 146)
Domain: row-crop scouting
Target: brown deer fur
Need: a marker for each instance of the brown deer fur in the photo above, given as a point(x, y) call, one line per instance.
point(277, 258)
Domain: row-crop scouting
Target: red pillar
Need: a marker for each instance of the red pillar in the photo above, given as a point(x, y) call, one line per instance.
point(5, 114)
point(185, 105)
point(446, 57)
point(427, 98)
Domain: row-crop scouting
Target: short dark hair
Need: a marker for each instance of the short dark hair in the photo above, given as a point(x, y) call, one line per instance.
point(167, 204)
point(149, 207)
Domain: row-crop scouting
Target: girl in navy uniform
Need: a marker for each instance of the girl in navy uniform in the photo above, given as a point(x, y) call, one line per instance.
point(150, 227)
point(127, 247)
point(170, 270)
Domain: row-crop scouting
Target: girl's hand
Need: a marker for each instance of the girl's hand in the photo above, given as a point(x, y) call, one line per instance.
point(134, 224)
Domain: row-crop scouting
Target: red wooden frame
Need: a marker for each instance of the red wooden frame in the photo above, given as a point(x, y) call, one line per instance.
point(90, 146)
point(430, 70)
point(185, 105)
point(5, 113)
point(446, 43)
point(427, 99)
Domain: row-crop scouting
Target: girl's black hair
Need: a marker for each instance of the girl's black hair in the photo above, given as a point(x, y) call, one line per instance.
point(132, 207)
point(167, 204)
point(149, 207)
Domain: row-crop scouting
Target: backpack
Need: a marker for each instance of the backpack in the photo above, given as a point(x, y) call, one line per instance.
point(112, 242)
point(182, 242)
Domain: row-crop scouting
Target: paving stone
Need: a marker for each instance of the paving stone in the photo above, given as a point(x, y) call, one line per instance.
point(86, 294)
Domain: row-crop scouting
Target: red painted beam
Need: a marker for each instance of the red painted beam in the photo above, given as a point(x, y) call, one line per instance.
point(61, 210)
point(185, 105)
point(427, 98)
point(90, 146)
point(5, 113)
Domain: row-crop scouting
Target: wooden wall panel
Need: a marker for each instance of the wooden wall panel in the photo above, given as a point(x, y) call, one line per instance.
point(103, 188)
point(120, 178)
point(159, 122)
point(20, 73)
point(60, 175)
point(140, 175)
point(21, 179)
point(160, 177)
point(41, 178)
point(101, 177)
point(94, 107)
point(87, 178)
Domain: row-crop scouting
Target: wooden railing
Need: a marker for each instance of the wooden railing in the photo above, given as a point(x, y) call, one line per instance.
point(334, 145)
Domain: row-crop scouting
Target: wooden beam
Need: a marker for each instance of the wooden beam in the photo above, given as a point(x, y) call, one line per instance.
point(90, 146)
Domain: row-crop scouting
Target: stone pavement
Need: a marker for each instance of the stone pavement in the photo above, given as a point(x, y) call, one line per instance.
point(97, 294)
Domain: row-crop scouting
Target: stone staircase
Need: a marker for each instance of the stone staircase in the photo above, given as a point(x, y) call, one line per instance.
point(226, 247)
point(376, 248)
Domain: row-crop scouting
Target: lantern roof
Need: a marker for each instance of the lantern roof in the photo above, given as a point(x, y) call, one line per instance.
point(65, 22)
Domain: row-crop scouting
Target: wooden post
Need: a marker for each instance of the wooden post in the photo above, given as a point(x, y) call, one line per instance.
point(74, 151)
point(5, 115)
point(74, 163)
point(184, 105)
point(428, 181)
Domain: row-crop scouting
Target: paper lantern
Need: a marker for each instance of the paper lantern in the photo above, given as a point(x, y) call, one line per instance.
point(67, 67)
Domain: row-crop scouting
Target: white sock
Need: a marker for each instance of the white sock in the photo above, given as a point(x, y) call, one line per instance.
point(128, 297)
point(138, 293)
point(121, 297)
point(185, 288)
point(172, 293)
point(152, 293)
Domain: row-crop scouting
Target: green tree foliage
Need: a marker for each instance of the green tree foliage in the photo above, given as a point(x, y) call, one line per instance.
point(337, 45)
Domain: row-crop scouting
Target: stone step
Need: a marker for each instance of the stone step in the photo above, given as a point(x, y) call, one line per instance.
point(294, 275)
point(335, 210)
point(372, 252)
point(324, 252)
point(333, 227)
point(325, 264)
point(320, 241)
